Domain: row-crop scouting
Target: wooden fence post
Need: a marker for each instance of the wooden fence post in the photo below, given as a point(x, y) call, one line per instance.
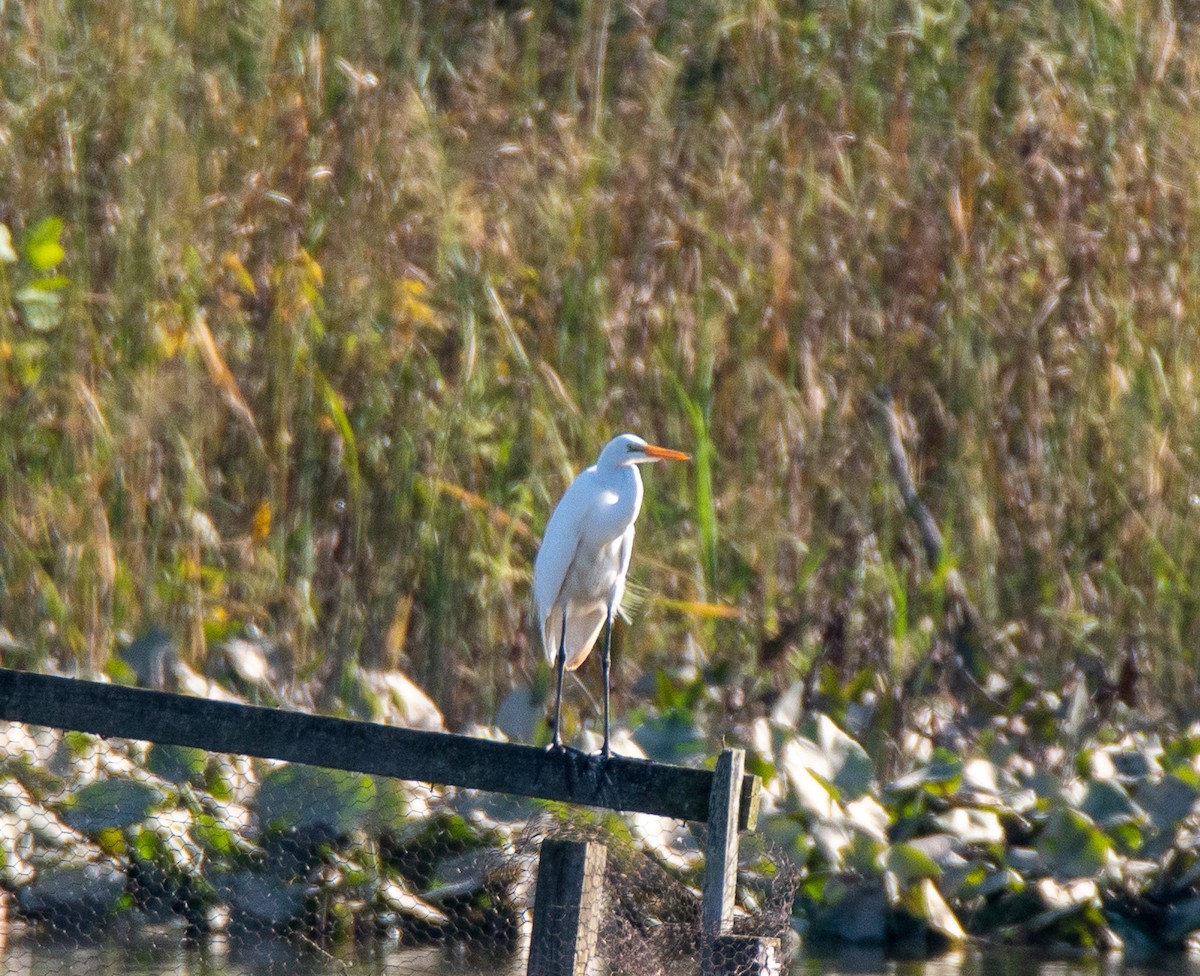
point(723, 953)
point(721, 859)
point(567, 907)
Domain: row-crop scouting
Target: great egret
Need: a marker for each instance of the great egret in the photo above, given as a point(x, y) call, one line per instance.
point(579, 573)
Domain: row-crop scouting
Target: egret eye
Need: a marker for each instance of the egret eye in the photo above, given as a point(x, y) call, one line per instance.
point(632, 448)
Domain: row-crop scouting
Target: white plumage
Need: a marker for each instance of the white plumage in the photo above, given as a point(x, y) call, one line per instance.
point(579, 574)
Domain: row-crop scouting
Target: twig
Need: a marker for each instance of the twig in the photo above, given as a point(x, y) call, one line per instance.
point(964, 625)
point(931, 536)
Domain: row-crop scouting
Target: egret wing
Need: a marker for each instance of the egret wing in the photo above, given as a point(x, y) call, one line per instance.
point(560, 542)
point(618, 594)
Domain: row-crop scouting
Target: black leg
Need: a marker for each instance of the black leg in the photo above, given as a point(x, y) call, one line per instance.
point(605, 661)
point(561, 665)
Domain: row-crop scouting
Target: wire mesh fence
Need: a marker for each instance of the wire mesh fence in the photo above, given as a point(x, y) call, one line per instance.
point(125, 856)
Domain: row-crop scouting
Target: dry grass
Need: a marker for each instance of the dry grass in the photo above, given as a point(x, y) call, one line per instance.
point(322, 261)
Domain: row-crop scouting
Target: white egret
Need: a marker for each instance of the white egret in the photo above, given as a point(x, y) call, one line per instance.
point(579, 573)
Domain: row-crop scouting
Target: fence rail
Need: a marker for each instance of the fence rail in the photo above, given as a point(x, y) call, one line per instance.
point(440, 758)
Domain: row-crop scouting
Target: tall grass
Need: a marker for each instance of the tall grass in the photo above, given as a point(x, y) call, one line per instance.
point(348, 290)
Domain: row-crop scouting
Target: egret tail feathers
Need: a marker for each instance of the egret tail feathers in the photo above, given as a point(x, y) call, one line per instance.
point(583, 627)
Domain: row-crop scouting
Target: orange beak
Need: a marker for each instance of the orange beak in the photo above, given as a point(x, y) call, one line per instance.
point(665, 453)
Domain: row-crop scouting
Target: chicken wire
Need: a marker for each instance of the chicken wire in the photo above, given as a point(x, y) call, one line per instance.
point(121, 856)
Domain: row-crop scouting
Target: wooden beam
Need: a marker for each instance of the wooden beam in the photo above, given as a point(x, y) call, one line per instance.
point(633, 785)
point(568, 905)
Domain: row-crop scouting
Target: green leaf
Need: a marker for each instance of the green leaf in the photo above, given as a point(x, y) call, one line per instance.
point(1107, 799)
point(110, 803)
point(1167, 801)
point(988, 882)
point(853, 771)
point(1072, 846)
point(308, 797)
point(1183, 918)
point(179, 764)
point(941, 777)
point(857, 915)
point(42, 247)
point(341, 421)
point(910, 864)
point(924, 902)
point(673, 737)
point(264, 897)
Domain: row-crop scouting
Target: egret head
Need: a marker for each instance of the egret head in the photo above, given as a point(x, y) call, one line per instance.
point(630, 449)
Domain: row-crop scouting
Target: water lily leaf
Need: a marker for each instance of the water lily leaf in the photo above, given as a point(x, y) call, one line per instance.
point(177, 764)
point(218, 838)
point(265, 898)
point(520, 713)
point(830, 842)
point(308, 797)
point(941, 777)
point(1052, 789)
point(988, 882)
point(1025, 861)
point(869, 816)
point(1072, 845)
point(864, 853)
point(924, 902)
point(1107, 800)
point(1072, 914)
point(857, 914)
point(1167, 801)
point(983, 775)
point(941, 847)
point(1059, 896)
point(909, 864)
point(1127, 835)
point(391, 810)
point(1183, 918)
point(813, 793)
point(167, 836)
point(1182, 751)
point(787, 832)
point(74, 896)
point(1134, 765)
point(110, 804)
point(851, 769)
point(971, 826)
point(673, 737)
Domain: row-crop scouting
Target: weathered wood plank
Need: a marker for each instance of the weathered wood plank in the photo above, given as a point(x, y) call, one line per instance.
point(440, 758)
point(721, 854)
point(568, 905)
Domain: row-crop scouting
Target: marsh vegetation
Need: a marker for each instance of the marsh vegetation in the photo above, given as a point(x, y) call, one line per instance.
point(308, 313)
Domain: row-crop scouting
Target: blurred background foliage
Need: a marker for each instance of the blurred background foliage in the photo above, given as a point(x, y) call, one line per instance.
point(309, 311)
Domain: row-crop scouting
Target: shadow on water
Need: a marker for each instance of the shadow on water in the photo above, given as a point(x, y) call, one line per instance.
point(220, 956)
point(271, 956)
point(990, 961)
